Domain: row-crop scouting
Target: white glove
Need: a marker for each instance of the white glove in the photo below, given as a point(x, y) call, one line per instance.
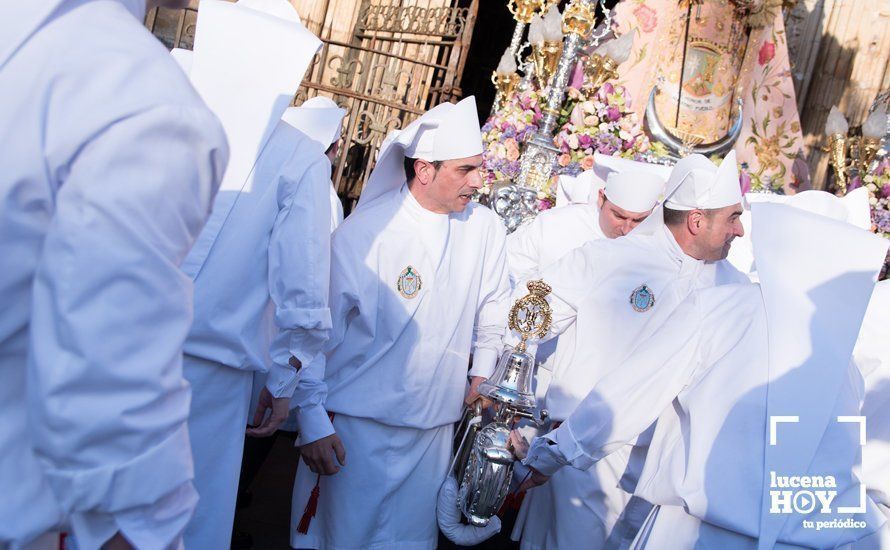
point(448, 515)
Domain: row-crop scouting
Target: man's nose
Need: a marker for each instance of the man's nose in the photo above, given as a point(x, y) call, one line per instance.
point(475, 179)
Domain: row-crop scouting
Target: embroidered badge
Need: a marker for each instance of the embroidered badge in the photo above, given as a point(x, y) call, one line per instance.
point(642, 298)
point(409, 283)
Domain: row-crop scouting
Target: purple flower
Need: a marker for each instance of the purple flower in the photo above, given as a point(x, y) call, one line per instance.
point(881, 218)
point(571, 169)
point(855, 183)
point(885, 191)
point(608, 88)
point(744, 181)
point(607, 144)
point(613, 113)
point(585, 141)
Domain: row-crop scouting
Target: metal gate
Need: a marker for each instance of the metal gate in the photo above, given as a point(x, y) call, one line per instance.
point(398, 62)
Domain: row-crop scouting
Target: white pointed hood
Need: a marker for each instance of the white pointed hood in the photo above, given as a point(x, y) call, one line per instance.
point(445, 132)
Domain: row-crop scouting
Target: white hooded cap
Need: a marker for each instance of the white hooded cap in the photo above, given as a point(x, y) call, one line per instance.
point(447, 131)
point(634, 191)
point(632, 185)
point(702, 185)
point(852, 208)
point(319, 118)
point(247, 63)
point(580, 189)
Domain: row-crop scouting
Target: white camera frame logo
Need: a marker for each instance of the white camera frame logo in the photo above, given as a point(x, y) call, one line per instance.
point(800, 505)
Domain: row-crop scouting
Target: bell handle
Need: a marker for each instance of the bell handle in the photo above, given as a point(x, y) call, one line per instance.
point(538, 418)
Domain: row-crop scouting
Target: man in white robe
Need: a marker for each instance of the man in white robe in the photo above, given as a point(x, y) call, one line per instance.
point(626, 198)
point(261, 265)
point(320, 119)
point(418, 282)
point(630, 191)
point(609, 291)
point(110, 161)
point(752, 380)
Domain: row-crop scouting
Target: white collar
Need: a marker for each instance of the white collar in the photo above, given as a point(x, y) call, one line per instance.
point(417, 211)
point(684, 260)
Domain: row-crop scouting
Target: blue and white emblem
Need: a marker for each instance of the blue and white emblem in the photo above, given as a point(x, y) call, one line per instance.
point(409, 283)
point(642, 298)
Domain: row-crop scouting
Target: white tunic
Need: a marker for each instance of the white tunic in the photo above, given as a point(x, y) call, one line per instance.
point(261, 269)
point(420, 345)
point(872, 356)
point(261, 265)
point(336, 209)
point(601, 276)
point(712, 374)
point(395, 372)
point(548, 237)
point(592, 286)
point(700, 437)
point(109, 162)
point(538, 244)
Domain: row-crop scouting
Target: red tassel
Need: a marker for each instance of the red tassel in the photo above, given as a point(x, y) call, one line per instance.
point(311, 508)
point(512, 502)
point(312, 505)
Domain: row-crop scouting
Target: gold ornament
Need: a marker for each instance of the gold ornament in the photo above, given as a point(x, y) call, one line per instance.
point(837, 156)
point(504, 85)
point(599, 69)
point(531, 315)
point(524, 10)
point(578, 18)
point(545, 56)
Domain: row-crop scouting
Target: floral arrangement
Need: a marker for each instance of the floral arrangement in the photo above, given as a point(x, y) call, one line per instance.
point(878, 184)
point(590, 121)
point(600, 122)
point(505, 131)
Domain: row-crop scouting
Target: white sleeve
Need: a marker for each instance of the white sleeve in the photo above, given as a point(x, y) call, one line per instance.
point(523, 251)
point(111, 309)
point(571, 280)
point(311, 392)
point(491, 315)
point(299, 270)
point(628, 400)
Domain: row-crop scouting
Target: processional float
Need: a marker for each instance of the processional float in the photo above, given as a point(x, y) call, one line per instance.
point(695, 105)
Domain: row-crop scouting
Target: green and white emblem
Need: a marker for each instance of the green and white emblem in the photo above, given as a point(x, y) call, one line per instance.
point(409, 283)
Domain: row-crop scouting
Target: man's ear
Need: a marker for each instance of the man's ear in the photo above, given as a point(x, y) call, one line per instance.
point(695, 221)
point(425, 171)
point(601, 198)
